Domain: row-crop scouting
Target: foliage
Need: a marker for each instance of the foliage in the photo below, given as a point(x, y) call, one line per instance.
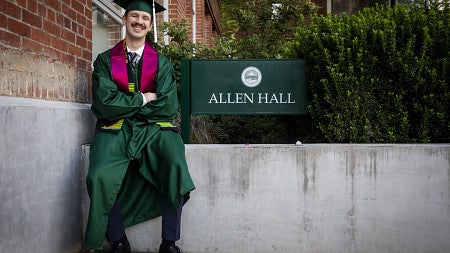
point(258, 29)
point(380, 75)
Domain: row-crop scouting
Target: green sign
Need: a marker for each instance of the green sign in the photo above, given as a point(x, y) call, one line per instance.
point(242, 87)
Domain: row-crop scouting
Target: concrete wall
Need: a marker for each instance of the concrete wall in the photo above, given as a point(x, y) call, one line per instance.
point(311, 198)
point(40, 147)
point(256, 198)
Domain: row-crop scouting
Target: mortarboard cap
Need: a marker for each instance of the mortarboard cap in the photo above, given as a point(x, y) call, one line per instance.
point(140, 5)
point(143, 5)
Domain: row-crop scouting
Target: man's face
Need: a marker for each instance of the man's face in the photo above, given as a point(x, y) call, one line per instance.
point(137, 24)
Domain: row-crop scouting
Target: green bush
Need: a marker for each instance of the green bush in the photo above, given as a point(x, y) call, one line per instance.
point(380, 75)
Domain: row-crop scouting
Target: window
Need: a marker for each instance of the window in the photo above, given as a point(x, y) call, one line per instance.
point(106, 26)
point(348, 6)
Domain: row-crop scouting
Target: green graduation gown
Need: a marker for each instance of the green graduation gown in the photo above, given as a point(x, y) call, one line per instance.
point(138, 162)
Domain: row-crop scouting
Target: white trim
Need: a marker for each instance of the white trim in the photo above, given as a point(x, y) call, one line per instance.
point(329, 6)
point(109, 9)
point(194, 23)
point(166, 13)
point(155, 32)
point(166, 19)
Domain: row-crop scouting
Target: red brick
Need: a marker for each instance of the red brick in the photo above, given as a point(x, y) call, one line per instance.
point(82, 20)
point(51, 28)
point(80, 30)
point(87, 54)
point(32, 6)
point(49, 51)
point(76, 5)
point(10, 39)
point(31, 19)
point(59, 18)
point(11, 9)
point(42, 11)
point(55, 5)
point(68, 35)
point(67, 23)
point(75, 27)
point(59, 44)
point(74, 50)
point(3, 21)
point(81, 63)
point(88, 33)
point(69, 12)
point(41, 36)
point(18, 28)
point(58, 30)
point(22, 3)
point(81, 41)
point(67, 58)
point(51, 15)
point(31, 45)
point(89, 45)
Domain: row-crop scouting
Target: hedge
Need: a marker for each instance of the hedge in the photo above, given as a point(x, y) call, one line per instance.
point(378, 76)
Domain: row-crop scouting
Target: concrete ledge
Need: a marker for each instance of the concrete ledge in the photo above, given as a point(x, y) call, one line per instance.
point(40, 147)
point(311, 198)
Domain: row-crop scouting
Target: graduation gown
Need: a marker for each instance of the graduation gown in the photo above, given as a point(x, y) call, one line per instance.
point(135, 156)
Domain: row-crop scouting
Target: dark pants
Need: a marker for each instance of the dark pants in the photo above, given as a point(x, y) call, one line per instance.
point(171, 222)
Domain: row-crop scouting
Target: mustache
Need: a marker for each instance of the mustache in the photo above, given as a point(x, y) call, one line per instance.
point(138, 25)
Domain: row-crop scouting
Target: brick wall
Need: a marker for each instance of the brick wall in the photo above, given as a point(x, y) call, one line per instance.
point(46, 49)
point(182, 9)
point(208, 29)
point(115, 32)
point(200, 21)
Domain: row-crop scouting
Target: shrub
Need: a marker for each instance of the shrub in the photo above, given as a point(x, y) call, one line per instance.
point(380, 75)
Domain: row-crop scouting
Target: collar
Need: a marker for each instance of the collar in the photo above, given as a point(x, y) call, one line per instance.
point(139, 51)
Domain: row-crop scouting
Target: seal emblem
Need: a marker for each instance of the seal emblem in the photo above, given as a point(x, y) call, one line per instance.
point(251, 77)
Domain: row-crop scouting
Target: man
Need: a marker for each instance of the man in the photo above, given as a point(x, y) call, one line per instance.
point(137, 165)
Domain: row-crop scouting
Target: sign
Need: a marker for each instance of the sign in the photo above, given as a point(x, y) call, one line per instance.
point(242, 87)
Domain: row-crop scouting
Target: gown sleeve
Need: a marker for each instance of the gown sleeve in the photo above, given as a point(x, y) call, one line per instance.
point(108, 102)
point(165, 106)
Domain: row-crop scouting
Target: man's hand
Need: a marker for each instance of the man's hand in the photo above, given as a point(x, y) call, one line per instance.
point(149, 96)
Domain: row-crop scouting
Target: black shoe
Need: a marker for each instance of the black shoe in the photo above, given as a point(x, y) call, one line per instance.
point(169, 249)
point(120, 247)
